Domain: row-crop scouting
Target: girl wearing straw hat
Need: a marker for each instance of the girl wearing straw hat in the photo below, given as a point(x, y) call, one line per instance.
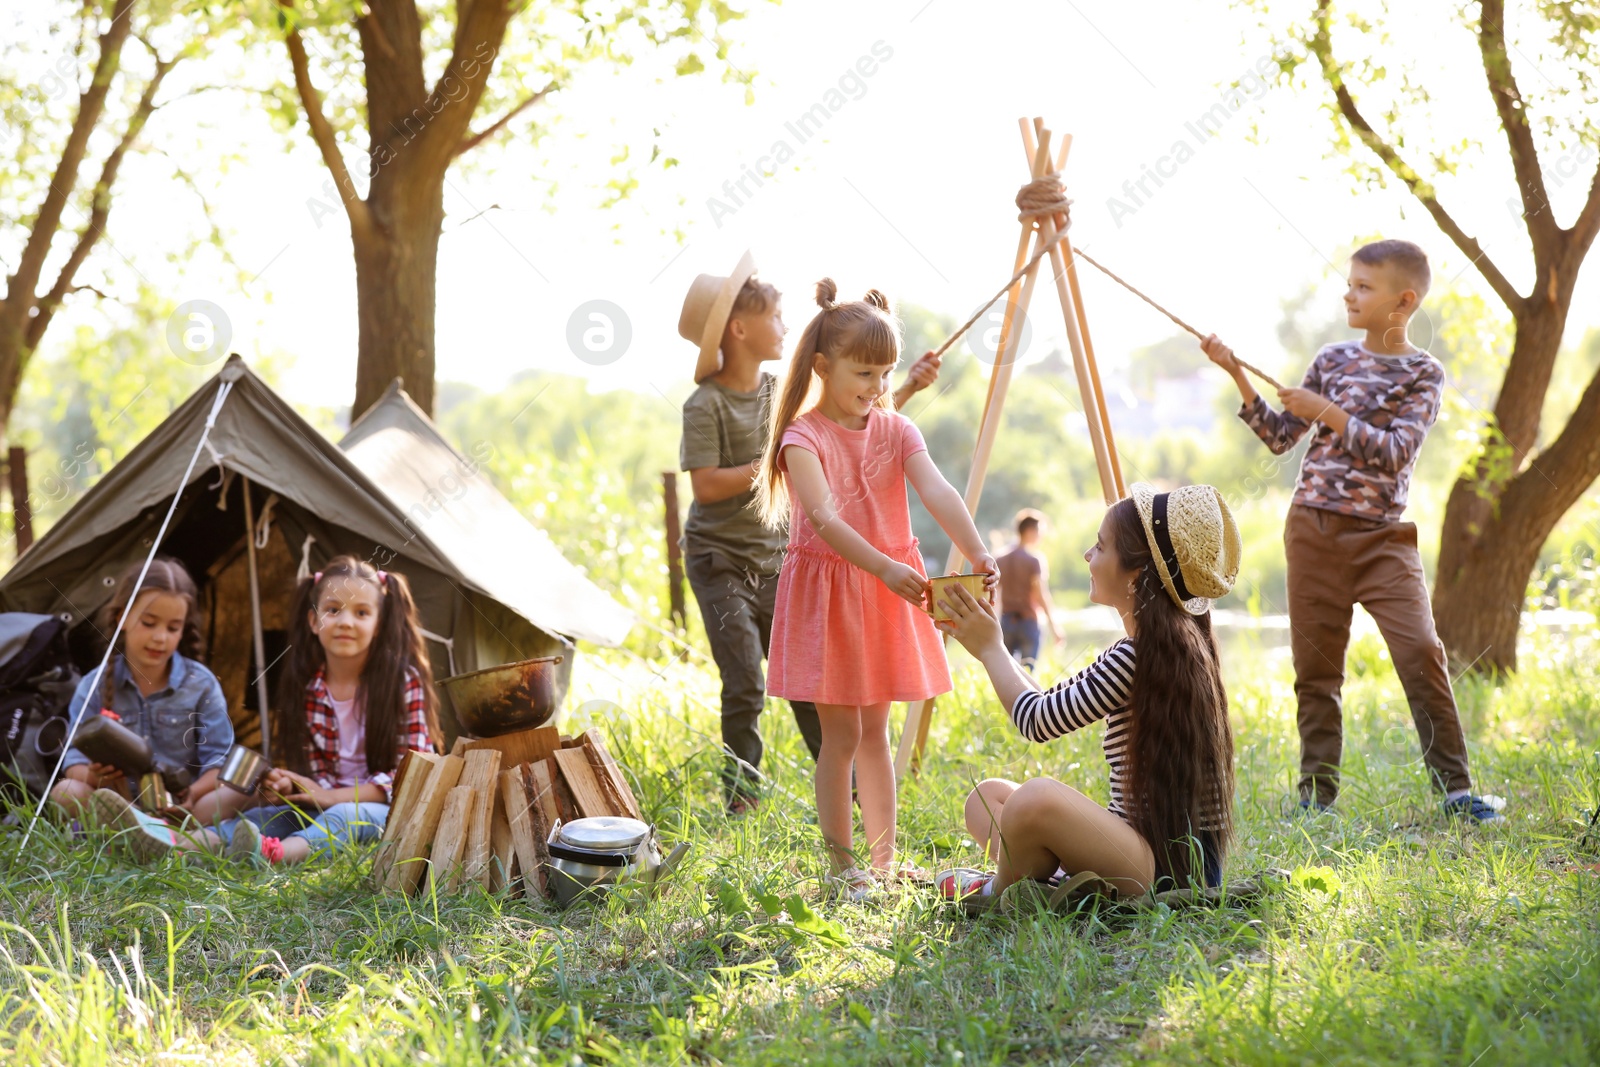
point(1159, 559)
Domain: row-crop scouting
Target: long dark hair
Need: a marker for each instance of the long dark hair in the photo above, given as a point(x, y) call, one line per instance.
point(397, 649)
point(166, 575)
point(1180, 746)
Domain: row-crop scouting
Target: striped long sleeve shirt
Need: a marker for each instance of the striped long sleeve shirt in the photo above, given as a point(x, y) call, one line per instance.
point(1099, 691)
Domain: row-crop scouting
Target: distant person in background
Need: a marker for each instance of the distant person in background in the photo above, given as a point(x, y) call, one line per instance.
point(1025, 592)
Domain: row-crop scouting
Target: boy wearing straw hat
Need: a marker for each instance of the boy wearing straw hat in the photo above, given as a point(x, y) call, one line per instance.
point(1368, 405)
point(731, 558)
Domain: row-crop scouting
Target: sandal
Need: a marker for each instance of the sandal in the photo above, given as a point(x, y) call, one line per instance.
point(854, 886)
point(910, 872)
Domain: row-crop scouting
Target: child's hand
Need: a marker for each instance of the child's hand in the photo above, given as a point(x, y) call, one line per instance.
point(904, 581)
point(1303, 403)
point(287, 787)
point(1220, 354)
point(923, 373)
point(990, 569)
point(105, 776)
point(974, 623)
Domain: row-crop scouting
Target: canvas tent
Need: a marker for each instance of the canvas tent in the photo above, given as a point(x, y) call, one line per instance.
point(398, 495)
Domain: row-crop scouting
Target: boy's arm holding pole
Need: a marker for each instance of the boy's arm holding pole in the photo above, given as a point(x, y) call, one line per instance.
point(1301, 406)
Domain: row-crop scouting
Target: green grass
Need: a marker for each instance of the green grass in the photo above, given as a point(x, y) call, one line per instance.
point(1405, 938)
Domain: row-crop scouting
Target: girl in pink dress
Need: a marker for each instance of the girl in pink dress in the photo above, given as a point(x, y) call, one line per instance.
point(849, 631)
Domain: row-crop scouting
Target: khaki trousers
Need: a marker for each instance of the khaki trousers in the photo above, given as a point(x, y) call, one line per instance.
point(1335, 562)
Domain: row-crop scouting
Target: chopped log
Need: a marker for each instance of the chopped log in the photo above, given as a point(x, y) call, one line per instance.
point(591, 798)
point(502, 860)
point(460, 747)
point(409, 783)
point(420, 826)
point(566, 807)
point(450, 840)
point(542, 793)
point(482, 773)
point(540, 819)
point(523, 746)
point(610, 775)
point(531, 852)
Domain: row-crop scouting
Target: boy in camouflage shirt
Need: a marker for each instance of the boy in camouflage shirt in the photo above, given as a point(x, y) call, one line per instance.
point(1368, 405)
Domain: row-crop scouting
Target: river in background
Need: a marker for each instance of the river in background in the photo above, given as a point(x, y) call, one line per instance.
point(1241, 635)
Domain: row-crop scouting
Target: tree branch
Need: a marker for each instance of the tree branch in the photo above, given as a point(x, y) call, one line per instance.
point(474, 140)
point(1585, 229)
point(321, 131)
point(480, 30)
point(91, 104)
point(1322, 46)
point(100, 199)
point(1508, 103)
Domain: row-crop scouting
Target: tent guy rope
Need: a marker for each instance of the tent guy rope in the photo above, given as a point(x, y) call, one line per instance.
point(155, 546)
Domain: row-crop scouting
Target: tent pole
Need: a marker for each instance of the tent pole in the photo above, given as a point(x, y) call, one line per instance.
point(255, 620)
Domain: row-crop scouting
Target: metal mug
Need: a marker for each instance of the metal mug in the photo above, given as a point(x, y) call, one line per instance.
point(153, 793)
point(243, 770)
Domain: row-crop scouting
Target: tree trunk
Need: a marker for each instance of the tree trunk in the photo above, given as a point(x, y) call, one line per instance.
point(396, 264)
point(1501, 512)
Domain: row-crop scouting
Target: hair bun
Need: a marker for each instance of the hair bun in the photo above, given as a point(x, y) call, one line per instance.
point(877, 300)
point(827, 294)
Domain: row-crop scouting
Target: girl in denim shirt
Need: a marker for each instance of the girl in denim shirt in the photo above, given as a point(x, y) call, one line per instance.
point(156, 684)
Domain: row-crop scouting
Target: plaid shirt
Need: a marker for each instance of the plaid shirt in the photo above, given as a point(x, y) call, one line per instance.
point(322, 722)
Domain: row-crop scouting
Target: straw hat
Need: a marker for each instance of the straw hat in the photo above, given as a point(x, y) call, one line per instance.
point(1194, 540)
point(705, 313)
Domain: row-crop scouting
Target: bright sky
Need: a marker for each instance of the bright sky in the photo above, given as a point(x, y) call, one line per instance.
point(907, 189)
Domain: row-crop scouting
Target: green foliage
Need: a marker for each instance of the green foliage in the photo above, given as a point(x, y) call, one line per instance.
point(586, 468)
point(546, 46)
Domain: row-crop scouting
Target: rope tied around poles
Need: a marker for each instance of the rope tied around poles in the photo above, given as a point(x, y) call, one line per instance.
point(1046, 197)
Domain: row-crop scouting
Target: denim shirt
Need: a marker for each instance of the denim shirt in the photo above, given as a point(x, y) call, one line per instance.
point(186, 723)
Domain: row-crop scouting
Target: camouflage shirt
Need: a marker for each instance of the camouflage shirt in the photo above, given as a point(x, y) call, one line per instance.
point(1366, 470)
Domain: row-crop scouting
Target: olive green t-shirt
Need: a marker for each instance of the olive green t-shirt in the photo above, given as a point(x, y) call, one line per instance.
point(724, 428)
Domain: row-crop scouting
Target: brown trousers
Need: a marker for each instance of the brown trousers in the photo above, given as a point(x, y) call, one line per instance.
point(1335, 562)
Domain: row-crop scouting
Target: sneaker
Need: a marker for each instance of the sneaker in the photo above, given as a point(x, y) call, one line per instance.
point(854, 886)
point(1314, 807)
point(965, 886)
point(1481, 810)
point(246, 843)
point(145, 836)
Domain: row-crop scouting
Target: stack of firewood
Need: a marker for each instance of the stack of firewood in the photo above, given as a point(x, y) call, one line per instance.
point(483, 814)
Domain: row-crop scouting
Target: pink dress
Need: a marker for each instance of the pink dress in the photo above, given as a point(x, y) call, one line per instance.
point(839, 636)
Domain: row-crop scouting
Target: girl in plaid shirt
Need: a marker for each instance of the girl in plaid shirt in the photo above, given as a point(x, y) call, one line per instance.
point(356, 693)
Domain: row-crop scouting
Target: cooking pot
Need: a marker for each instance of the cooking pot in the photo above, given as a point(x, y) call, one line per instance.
point(504, 699)
point(589, 856)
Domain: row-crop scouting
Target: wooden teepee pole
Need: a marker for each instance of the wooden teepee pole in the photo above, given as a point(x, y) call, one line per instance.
point(1094, 411)
point(1036, 143)
point(920, 713)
